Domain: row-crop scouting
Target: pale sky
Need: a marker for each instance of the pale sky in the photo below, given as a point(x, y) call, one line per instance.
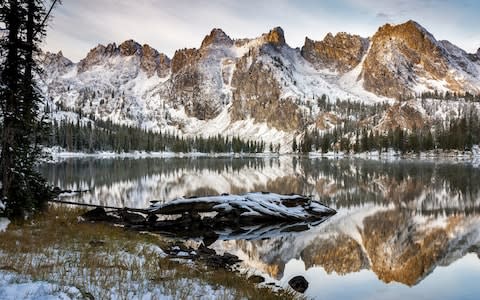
point(79, 25)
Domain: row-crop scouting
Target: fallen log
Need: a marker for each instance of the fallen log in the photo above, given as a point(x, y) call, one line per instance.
point(249, 206)
point(248, 216)
point(139, 210)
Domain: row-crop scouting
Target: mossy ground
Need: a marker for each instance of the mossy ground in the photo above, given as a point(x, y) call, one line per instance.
point(102, 261)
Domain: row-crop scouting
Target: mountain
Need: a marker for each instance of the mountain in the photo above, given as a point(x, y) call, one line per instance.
point(260, 88)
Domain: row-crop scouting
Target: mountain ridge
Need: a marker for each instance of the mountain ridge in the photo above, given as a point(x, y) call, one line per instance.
point(259, 85)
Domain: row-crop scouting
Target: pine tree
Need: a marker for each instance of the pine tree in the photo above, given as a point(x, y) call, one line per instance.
point(23, 189)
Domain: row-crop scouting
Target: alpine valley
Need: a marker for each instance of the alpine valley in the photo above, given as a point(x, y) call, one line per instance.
point(330, 93)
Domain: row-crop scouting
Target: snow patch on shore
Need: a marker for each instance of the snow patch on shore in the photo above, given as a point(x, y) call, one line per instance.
point(13, 286)
point(4, 224)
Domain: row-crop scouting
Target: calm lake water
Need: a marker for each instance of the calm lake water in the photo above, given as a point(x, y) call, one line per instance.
point(404, 229)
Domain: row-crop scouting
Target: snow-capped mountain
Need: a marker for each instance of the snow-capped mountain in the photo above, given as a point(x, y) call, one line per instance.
point(258, 88)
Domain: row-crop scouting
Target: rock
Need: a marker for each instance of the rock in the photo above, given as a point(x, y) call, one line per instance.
point(131, 218)
point(256, 95)
point(209, 237)
point(96, 243)
point(55, 62)
point(203, 250)
point(225, 261)
point(97, 56)
point(256, 279)
point(230, 258)
point(96, 214)
point(299, 284)
point(275, 37)
point(129, 48)
point(402, 115)
point(184, 58)
point(153, 62)
point(403, 54)
point(341, 52)
point(99, 214)
point(217, 37)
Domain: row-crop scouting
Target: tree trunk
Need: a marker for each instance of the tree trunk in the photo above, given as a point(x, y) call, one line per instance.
point(10, 100)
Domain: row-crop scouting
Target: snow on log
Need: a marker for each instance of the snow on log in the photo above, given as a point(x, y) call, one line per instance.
point(252, 206)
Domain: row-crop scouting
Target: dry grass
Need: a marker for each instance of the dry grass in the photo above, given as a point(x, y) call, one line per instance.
point(102, 260)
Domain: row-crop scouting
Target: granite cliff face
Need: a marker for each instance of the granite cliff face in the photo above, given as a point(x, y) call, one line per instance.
point(406, 58)
point(341, 52)
point(256, 90)
point(197, 81)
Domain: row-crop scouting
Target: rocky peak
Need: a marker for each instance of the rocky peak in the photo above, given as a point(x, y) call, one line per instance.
point(55, 58)
point(182, 58)
point(275, 37)
point(399, 56)
point(341, 52)
point(154, 62)
point(217, 37)
point(111, 49)
point(129, 48)
point(411, 33)
point(97, 55)
point(478, 53)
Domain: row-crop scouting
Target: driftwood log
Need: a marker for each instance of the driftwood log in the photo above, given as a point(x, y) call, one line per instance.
point(247, 216)
point(250, 206)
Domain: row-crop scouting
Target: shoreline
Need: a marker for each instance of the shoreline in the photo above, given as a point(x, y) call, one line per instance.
point(54, 155)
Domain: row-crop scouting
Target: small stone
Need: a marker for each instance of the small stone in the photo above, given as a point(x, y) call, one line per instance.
point(256, 279)
point(132, 218)
point(299, 284)
point(96, 243)
point(97, 214)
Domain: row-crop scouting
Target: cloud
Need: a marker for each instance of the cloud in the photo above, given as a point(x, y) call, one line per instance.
point(384, 16)
point(167, 25)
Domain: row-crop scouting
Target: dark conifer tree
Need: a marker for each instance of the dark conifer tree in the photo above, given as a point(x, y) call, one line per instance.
point(23, 189)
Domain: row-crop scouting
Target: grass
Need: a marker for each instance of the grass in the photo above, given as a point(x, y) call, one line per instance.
point(104, 261)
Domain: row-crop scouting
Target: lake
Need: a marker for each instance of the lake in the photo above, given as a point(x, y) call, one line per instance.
point(404, 229)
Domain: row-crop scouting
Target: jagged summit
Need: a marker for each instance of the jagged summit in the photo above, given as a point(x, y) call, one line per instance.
point(130, 47)
point(406, 59)
point(55, 61)
point(150, 60)
point(412, 33)
point(341, 52)
point(217, 37)
point(275, 37)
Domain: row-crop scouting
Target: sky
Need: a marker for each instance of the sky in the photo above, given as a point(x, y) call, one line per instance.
point(168, 25)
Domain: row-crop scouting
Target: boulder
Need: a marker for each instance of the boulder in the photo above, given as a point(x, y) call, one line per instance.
point(299, 284)
point(256, 279)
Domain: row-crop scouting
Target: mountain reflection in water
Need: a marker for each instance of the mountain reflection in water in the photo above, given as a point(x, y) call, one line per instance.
point(406, 223)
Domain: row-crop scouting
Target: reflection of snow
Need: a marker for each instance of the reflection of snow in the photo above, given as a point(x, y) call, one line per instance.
point(138, 192)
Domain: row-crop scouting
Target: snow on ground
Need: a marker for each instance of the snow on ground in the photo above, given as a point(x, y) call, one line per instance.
point(16, 287)
point(4, 224)
point(64, 271)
